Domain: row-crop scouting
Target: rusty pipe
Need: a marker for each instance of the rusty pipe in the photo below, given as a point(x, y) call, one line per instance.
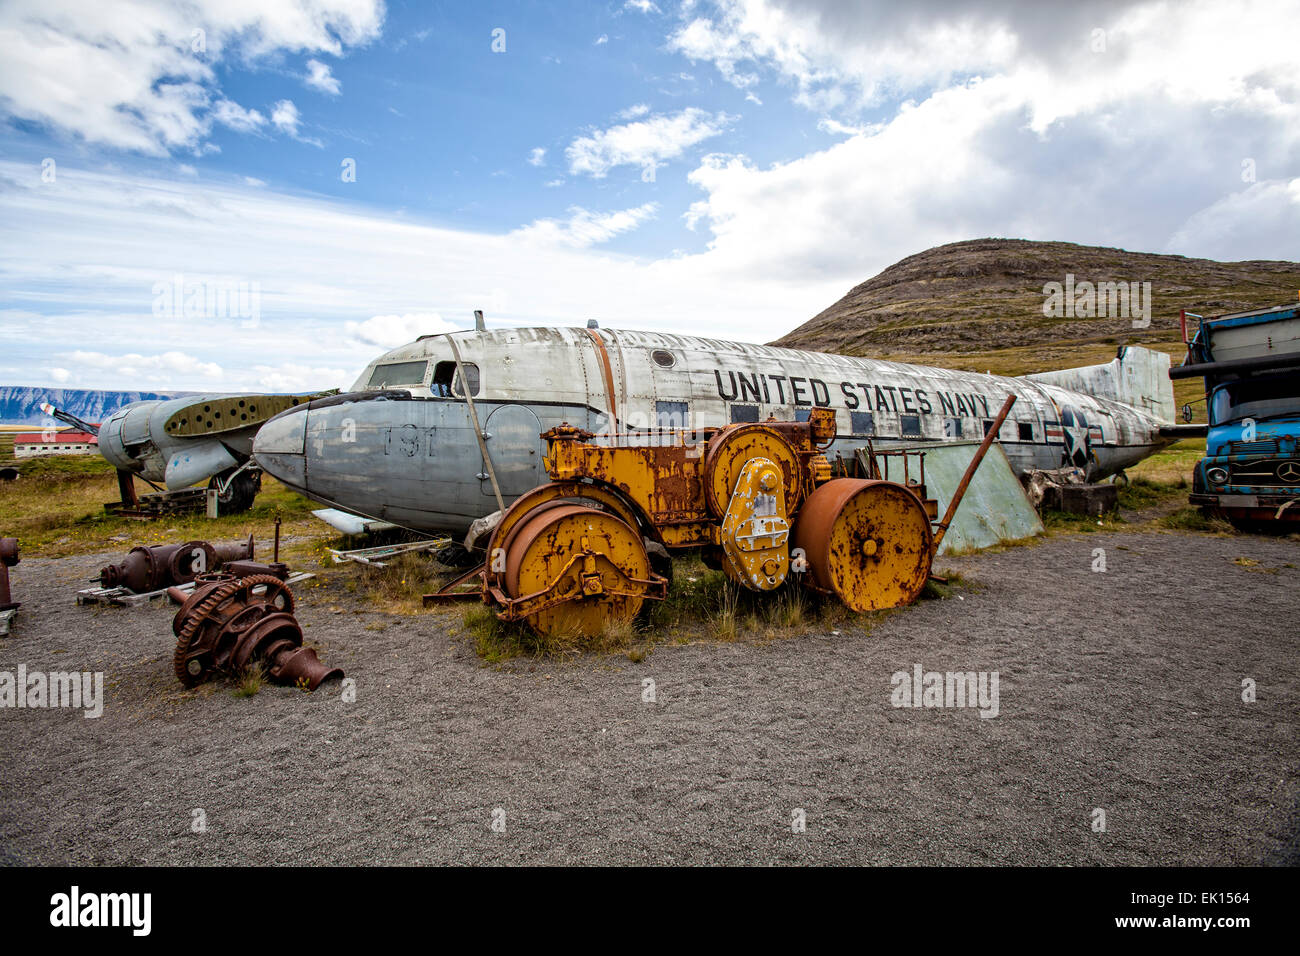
point(941, 527)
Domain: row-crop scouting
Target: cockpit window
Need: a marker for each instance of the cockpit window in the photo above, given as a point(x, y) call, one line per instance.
point(447, 383)
point(397, 373)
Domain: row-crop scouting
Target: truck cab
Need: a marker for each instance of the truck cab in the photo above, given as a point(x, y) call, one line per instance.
point(1251, 365)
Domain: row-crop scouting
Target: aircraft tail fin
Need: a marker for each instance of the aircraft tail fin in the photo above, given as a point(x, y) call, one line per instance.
point(1136, 377)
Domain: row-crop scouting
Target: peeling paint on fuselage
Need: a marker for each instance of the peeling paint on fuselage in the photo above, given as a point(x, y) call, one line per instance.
point(416, 462)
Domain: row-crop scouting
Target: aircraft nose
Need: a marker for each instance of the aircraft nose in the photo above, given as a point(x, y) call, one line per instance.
point(280, 446)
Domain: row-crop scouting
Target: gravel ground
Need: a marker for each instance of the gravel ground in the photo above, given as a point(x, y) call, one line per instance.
point(1118, 690)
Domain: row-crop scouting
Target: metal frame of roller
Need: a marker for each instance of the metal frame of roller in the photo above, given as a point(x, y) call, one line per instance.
point(570, 557)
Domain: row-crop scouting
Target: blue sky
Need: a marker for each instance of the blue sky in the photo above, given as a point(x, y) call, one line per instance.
point(720, 166)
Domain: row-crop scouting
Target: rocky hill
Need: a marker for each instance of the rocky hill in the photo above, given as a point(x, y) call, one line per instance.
point(987, 295)
point(21, 404)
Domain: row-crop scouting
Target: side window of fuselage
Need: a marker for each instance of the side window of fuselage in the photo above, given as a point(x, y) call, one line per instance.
point(446, 382)
point(672, 416)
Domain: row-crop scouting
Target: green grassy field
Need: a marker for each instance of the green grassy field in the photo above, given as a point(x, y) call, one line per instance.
point(56, 508)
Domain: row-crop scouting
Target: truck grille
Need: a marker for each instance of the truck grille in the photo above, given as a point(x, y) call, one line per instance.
point(1270, 471)
point(1253, 447)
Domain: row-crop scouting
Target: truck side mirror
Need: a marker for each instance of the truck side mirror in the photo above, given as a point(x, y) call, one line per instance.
point(1187, 413)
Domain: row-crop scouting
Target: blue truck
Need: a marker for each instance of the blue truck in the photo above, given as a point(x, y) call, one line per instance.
point(1250, 361)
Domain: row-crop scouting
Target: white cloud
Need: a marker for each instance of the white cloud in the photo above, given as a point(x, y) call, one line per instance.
point(641, 6)
point(59, 375)
point(229, 113)
point(634, 112)
point(390, 331)
point(139, 75)
point(1260, 222)
point(131, 364)
point(320, 78)
point(646, 143)
point(286, 118)
point(836, 128)
point(295, 377)
point(601, 40)
point(585, 228)
point(537, 157)
point(85, 258)
point(1128, 147)
point(254, 181)
point(552, 183)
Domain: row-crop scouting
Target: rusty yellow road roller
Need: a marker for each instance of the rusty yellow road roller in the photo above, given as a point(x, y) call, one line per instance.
point(586, 550)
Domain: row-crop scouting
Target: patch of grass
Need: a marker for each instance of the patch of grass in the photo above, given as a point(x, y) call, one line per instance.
point(251, 680)
point(1172, 466)
point(496, 641)
point(399, 587)
point(1142, 493)
point(702, 604)
point(65, 516)
point(1062, 521)
point(1191, 518)
point(952, 583)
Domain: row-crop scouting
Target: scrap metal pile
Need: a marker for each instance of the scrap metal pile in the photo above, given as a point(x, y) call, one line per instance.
point(228, 623)
point(759, 500)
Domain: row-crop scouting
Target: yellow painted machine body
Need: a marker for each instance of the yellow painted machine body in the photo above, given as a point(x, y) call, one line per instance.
point(570, 556)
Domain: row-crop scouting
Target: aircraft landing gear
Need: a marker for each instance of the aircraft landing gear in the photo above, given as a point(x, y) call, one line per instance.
point(239, 493)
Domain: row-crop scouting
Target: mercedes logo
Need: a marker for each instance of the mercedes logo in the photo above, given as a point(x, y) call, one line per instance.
point(1289, 471)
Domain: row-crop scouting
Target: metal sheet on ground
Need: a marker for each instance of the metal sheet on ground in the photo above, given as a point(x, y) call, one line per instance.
point(995, 507)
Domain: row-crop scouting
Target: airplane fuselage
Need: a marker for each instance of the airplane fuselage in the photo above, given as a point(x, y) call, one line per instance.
point(401, 446)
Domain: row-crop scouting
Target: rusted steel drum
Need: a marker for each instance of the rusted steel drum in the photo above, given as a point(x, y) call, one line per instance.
point(867, 542)
point(584, 557)
point(727, 456)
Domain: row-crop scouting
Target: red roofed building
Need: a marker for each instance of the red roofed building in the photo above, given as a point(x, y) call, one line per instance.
point(51, 442)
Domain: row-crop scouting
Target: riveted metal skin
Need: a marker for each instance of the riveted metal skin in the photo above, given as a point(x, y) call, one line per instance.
point(217, 414)
point(867, 542)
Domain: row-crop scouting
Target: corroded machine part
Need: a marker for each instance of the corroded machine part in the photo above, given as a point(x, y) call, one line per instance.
point(227, 623)
point(8, 558)
point(571, 557)
point(190, 560)
point(867, 542)
point(143, 569)
point(755, 532)
point(163, 565)
point(734, 448)
point(573, 570)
